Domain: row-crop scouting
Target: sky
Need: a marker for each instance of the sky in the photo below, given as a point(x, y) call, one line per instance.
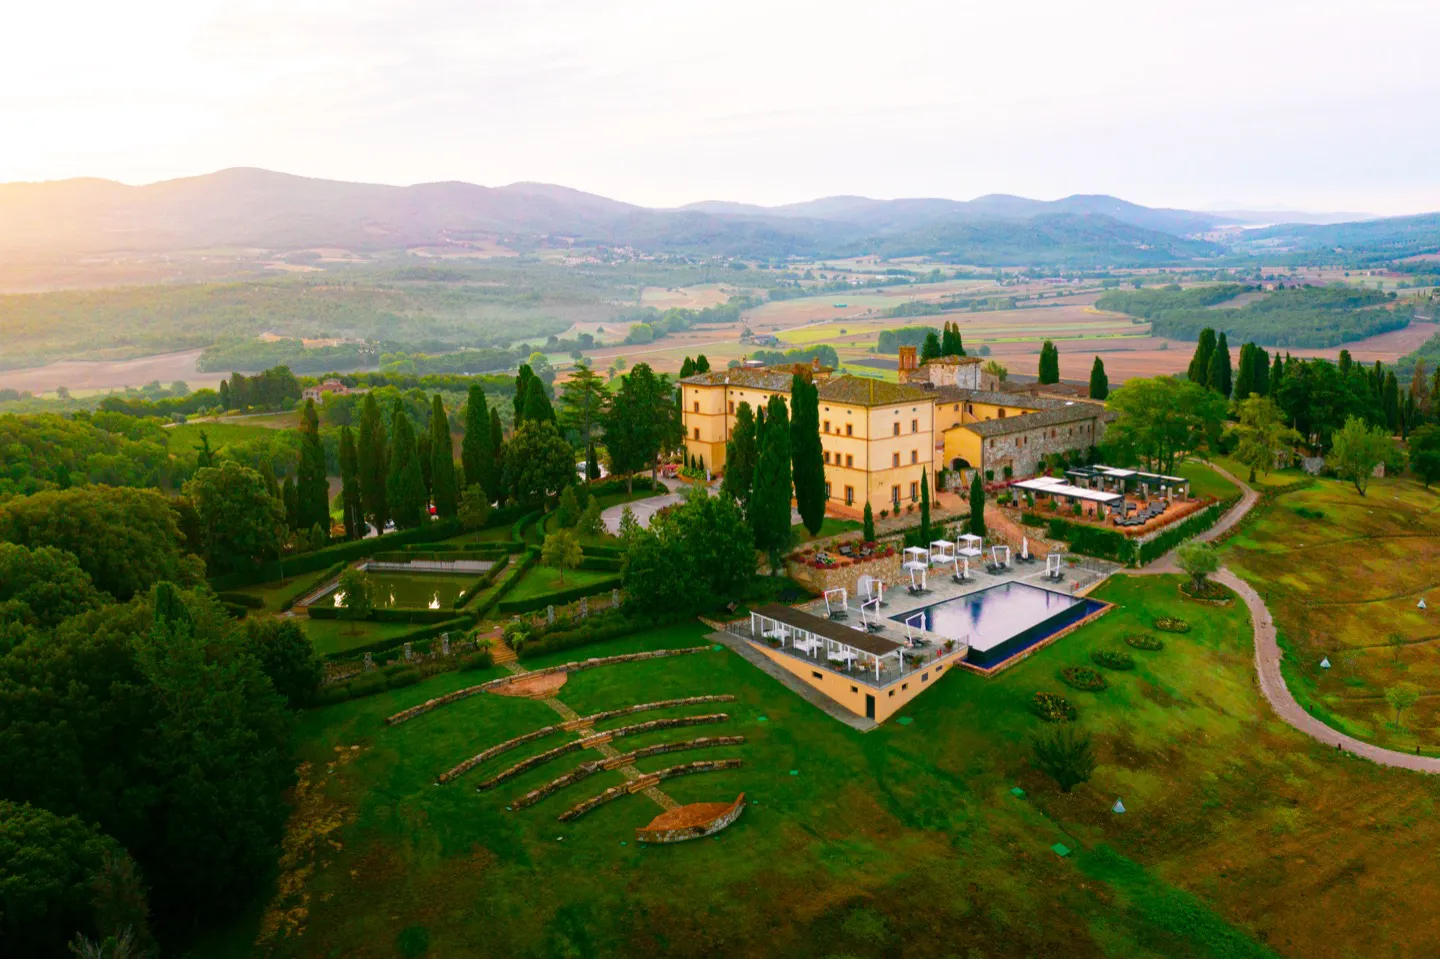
point(1317, 105)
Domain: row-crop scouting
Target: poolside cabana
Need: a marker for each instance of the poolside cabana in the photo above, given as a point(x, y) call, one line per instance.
point(1048, 486)
point(970, 546)
point(941, 551)
point(916, 554)
point(815, 636)
point(1147, 484)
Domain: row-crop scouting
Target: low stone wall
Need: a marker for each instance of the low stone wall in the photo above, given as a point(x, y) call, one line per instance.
point(572, 724)
point(626, 789)
point(834, 577)
point(694, 821)
point(407, 714)
point(599, 739)
point(589, 769)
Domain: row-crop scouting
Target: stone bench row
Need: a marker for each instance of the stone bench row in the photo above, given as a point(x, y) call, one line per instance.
point(571, 724)
point(599, 739)
point(615, 792)
point(407, 714)
point(585, 770)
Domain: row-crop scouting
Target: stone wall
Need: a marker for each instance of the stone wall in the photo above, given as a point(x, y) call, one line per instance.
point(585, 770)
point(670, 826)
point(626, 789)
point(819, 580)
point(1027, 449)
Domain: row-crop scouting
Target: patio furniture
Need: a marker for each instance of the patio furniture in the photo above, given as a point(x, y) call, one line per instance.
point(841, 608)
point(962, 571)
point(807, 646)
point(921, 586)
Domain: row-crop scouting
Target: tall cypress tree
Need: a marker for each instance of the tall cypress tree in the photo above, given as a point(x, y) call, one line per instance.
point(924, 508)
point(1277, 374)
point(1049, 363)
point(1199, 371)
point(976, 524)
point(741, 452)
point(1390, 401)
point(370, 448)
point(522, 388)
point(702, 365)
point(475, 454)
point(292, 503)
point(537, 403)
point(769, 509)
point(807, 455)
point(497, 459)
point(1099, 382)
point(930, 349)
point(1260, 384)
point(592, 463)
point(1217, 378)
point(443, 486)
point(422, 456)
point(352, 510)
point(404, 487)
point(1245, 372)
point(687, 368)
point(312, 493)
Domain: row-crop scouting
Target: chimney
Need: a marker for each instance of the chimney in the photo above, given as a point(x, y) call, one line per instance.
point(907, 359)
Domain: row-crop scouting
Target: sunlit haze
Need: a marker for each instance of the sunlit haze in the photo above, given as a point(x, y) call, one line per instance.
point(1316, 105)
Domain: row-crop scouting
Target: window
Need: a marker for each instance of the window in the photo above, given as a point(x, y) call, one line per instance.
point(849, 429)
point(970, 408)
point(697, 406)
point(1001, 414)
point(914, 491)
point(957, 407)
point(816, 674)
point(849, 459)
point(892, 692)
point(897, 429)
point(924, 677)
point(827, 490)
point(894, 459)
point(827, 456)
point(914, 426)
point(895, 494)
point(732, 406)
point(849, 496)
point(854, 689)
point(904, 685)
point(914, 456)
point(827, 426)
point(697, 433)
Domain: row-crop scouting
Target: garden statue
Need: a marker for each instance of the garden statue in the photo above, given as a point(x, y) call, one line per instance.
point(444, 644)
point(615, 597)
point(584, 606)
point(409, 653)
point(549, 615)
point(369, 663)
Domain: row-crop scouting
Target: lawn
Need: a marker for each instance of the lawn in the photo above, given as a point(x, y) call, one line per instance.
point(830, 526)
point(335, 636)
point(1273, 478)
point(1240, 835)
point(545, 579)
point(275, 594)
point(1204, 481)
point(1343, 575)
point(187, 436)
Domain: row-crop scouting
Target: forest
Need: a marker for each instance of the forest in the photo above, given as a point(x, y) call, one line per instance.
point(1306, 316)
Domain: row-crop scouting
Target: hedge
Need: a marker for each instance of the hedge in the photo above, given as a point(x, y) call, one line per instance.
point(368, 684)
point(394, 642)
point(241, 599)
point(1193, 526)
point(1092, 540)
point(406, 556)
point(616, 484)
point(560, 596)
point(532, 557)
point(604, 564)
point(314, 584)
point(517, 532)
point(610, 625)
point(236, 610)
point(599, 550)
point(340, 552)
point(479, 586)
point(387, 615)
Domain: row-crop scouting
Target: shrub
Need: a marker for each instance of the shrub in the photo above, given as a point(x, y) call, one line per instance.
point(1170, 624)
point(1209, 590)
point(1083, 677)
point(241, 599)
point(1305, 512)
point(1053, 708)
point(480, 659)
point(1113, 659)
point(1064, 754)
point(1144, 641)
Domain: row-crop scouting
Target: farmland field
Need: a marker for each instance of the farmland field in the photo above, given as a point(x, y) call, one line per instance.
point(1241, 838)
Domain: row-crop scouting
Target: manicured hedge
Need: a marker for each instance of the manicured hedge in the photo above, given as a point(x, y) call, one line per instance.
point(560, 596)
point(368, 684)
point(395, 642)
point(340, 552)
point(241, 599)
point(532, 556)
point(517, 532)
point(1191, 527)
point(616, 552)
point(235, 610)
point(479, 586)
point(315, 583)
point(387, 615)
point(604, 564)
point(608, 625)
point(1092, 540)
point(616, 484)
point(407, 556)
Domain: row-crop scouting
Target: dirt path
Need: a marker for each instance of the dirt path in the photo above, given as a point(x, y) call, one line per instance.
point(1267, 650)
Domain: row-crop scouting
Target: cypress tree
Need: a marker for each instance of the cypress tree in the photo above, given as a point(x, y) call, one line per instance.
point(977, 506)
point(1260, 383)
point(808, 458)
point(1049, 363)
point(404, 487)
point(476, 458)
point(497, 459)
point(522, 388)
point(1099, 382)
point(292, 504)
point(1390, 402)
point(592, 463)
point(267, 473)
point(370, 448)
point(1346, 361)
point(924, 508)
point(1199, 371)
point(1277, 374)
point(225, 394)
point(702, 365)
point(1219, 373)
point(312, 492)
point(537, 403)
point(351, 509)
point(867, 525)
point(1228, 385)
point(444, 491)
point(930, 349)
point(1245, 372)
point(741, 452)
point(769, 509)
point(687, 368)
point(422, 456)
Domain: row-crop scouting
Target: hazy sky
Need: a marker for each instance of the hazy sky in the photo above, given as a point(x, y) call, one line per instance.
point(1317, 105)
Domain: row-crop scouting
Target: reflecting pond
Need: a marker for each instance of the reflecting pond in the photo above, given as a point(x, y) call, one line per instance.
point(412, 590)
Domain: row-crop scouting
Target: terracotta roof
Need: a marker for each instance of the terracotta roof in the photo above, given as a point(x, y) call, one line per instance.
point(1075, 413)
point(954, 394)
point(828, 629)
point(952, 360)
point(868, 391)
point(776, 378)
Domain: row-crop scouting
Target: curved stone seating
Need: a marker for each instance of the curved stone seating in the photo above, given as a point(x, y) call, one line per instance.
point(573, 724)
point(650, 779)
point(599, 739)
point(694, 821)
point(407, 714)
point(585, 770)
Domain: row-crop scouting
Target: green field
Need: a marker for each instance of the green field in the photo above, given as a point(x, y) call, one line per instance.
point(336, 636)
point(1206, 482)
point(1241, 836)
point(543, 579)
point(1342, 575)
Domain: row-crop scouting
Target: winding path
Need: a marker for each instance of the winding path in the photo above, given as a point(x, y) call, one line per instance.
point(1267, 650)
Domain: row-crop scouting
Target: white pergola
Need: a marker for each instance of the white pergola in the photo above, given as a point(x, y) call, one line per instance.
point(917, 554)
point(972, 547)
point(1050, 486)
point(942, 551)
point(821, 639)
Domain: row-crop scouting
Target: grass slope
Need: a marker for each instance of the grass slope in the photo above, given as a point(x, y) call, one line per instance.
point(1241, 835)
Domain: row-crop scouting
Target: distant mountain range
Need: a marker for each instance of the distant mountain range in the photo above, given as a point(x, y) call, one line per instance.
point(250, 208)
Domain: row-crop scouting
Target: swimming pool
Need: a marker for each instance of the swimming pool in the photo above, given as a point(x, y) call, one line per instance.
point(1002, 620)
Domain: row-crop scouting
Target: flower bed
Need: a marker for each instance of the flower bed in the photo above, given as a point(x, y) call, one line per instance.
point(1144, 641)
point(829, 556)
point(1085, 678)
point(1169, 624)
point(1210, 592)
point(1053, 708)
point(1113, 659)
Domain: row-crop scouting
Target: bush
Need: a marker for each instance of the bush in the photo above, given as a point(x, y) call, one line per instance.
point(1053, 708)
point(1085, 678)
point(1144, 641)
point(1305, 512)
point(559, 597)
point(480, 659)
point(241, 599)
point(481, 584)
point(1170, 624)
point(611, 624)
point(1208, 590)
point(395, 642)
point(1113, 659)
point(1064, 754)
